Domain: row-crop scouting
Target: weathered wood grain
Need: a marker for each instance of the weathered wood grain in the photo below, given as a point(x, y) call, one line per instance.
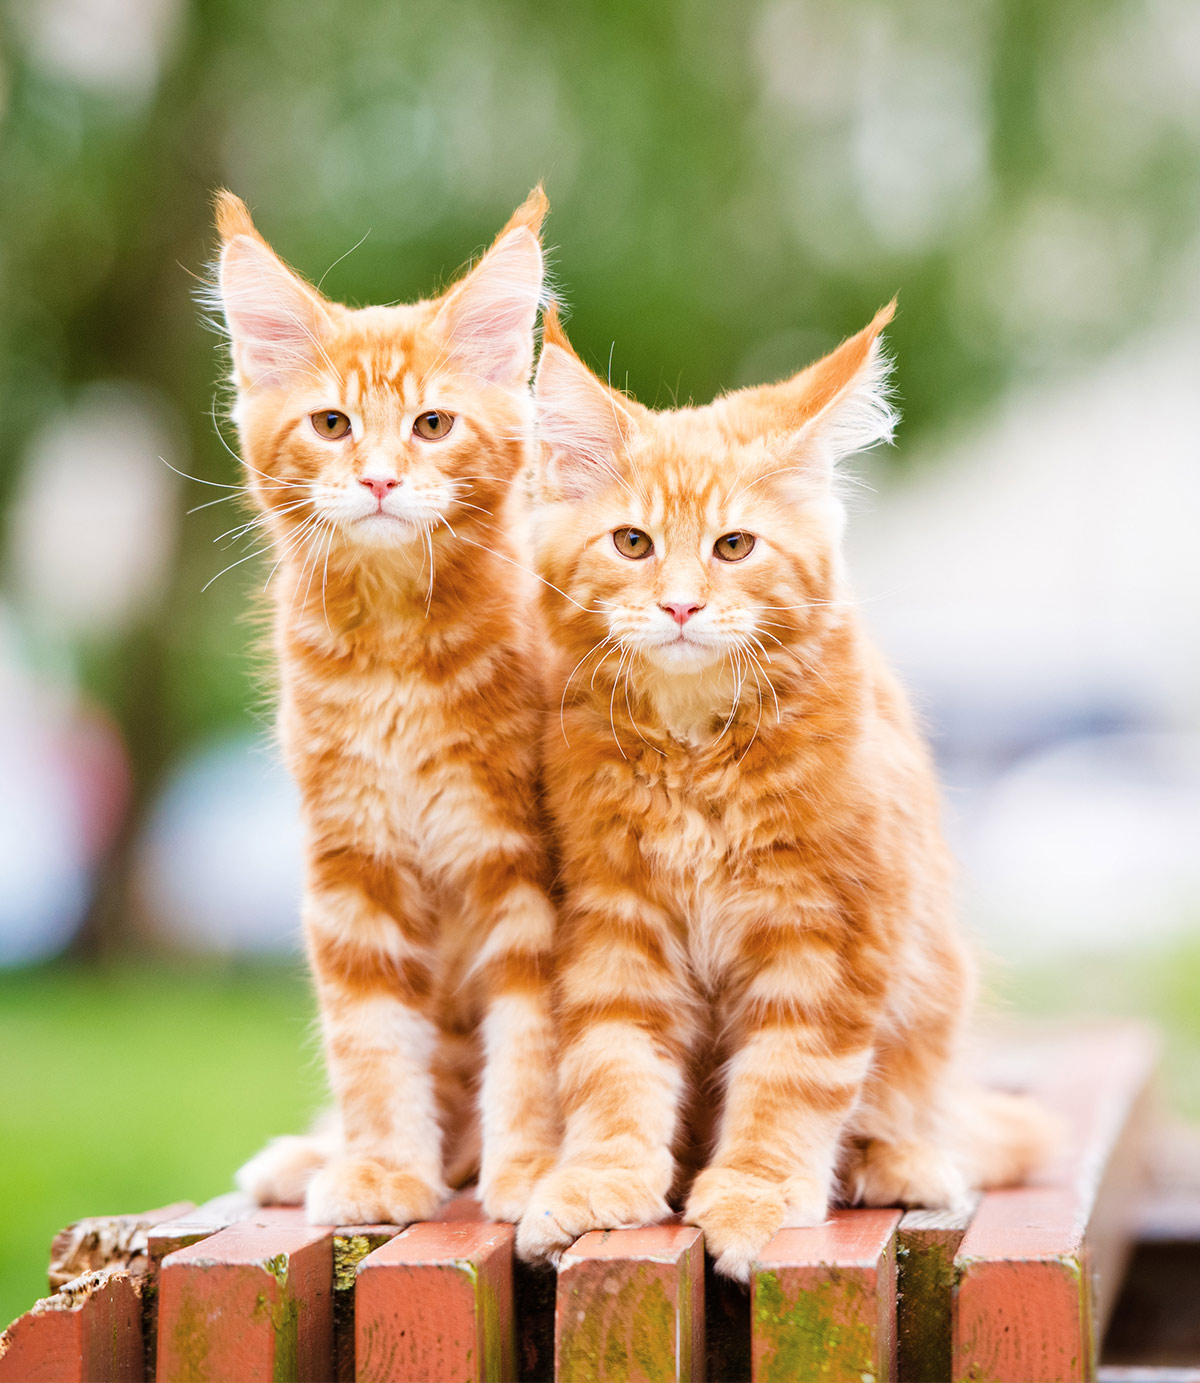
point(630, 1303)
point(1038, 1269)
point(823, 1301)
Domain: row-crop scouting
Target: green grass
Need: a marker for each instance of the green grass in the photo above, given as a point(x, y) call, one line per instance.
point(129, 1088)
point(1160, 984)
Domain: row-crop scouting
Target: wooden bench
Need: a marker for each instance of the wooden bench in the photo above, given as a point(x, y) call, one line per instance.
point(1018, 1291)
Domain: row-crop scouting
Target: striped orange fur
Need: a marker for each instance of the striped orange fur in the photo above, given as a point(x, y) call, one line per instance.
point(761, 982)
point(381, 447)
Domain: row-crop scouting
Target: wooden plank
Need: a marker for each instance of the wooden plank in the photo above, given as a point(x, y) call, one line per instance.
point(462, 1207)
point(726, 1326)
point(926, 1244)
point(635, 1296)
point(89, 1331)
point(197, 1223)
point(823, 1301)
point(107, 1241)
point(435, 1304)
point(1038, 1269)
point(351, 1244)
point(534, 1288)
point(189, 1227)
point(253, 1302)
point(1149, 1373)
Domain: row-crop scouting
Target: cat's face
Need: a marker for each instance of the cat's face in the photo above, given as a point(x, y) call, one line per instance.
point(699, 537)
point(376, 427)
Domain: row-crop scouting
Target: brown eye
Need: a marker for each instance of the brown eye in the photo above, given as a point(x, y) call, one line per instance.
point(732, 547)
point(330, 424)
point(433, 426)
point(632, 542)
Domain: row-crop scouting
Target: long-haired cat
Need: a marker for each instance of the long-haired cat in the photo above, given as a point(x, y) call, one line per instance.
point(759, 973)
point(381, 445)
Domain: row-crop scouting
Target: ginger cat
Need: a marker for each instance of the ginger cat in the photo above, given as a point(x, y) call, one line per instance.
point(760, 974)
point(381, 446)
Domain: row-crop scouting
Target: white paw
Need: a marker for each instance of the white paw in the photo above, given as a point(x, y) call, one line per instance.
point(739, 1215)
point(914, 1174)
point(363, 1191)
point(505, 1189)
point(279, 1175)
point(573, 1200)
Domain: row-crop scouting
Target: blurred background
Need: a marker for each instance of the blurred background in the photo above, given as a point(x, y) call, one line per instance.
point(734, 187)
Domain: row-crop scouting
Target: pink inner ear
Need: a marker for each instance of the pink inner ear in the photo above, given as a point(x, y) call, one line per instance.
point(490, 315)
point(274, 320)
point(580, 423)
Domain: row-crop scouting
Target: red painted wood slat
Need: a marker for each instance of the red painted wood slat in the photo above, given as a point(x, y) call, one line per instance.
point(252, 1302)
point(636, 1295)
point(90, 1331)
point(823, 1301)
point(436, 1303)
point(1038, 1269)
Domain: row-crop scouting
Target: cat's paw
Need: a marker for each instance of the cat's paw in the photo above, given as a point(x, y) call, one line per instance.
point(363, 1191)
point(916, 1173)
point(572, 1200)
point(279, 1175)
point(506, 1188)
point(739, 1215)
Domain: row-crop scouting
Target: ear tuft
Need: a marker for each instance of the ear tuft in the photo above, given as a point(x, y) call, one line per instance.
point(552, 329)
point(530, 214)
point(865, 414)
point(232, 217)
point(844, 399)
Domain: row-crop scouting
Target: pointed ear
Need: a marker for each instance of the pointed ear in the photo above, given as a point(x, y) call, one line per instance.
point(582, 423)
point(275, 319)
point(841, 400)
point(488, 316)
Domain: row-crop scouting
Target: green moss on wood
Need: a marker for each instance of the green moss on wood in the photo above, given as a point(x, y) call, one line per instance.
point(925, 1281)
point(823, 1335)
point(630, 1333)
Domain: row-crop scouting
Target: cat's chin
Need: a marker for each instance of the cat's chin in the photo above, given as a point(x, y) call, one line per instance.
point(386, 530)
point(683, 657)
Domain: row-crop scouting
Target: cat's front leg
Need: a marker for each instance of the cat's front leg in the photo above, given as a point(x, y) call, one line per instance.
point(806, 1032)
point(370, 955)
point(518, 1100)
point(626, 1020)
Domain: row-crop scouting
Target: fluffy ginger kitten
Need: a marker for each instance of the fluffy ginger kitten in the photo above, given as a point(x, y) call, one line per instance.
point(381, 445)
point(760, 974)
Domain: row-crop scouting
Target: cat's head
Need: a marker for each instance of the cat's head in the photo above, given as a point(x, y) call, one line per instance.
point(699, 536)
point(379, 425)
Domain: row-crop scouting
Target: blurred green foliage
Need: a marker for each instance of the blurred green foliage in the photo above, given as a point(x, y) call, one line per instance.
point(135, 1087)
point(733, 188)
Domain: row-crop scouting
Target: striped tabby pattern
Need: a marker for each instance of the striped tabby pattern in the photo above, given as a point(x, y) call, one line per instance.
point(381, 447)
point(762, 987)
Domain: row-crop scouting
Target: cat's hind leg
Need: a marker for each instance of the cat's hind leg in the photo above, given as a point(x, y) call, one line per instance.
point(902, 1149)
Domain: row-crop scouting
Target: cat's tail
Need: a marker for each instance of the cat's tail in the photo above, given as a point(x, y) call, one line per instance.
point(1003, 1138)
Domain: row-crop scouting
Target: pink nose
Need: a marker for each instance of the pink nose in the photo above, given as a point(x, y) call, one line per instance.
point(680, 611)
point(378, 485)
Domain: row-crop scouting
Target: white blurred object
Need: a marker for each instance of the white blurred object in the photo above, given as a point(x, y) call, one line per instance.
point(94, 521)
point(219, 867)
point(118, 47)
point(1093, 844)
point(63, 792)
point(1048, 555)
